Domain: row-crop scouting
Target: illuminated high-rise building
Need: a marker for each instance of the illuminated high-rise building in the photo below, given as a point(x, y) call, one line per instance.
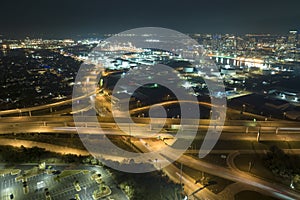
point(293, 38)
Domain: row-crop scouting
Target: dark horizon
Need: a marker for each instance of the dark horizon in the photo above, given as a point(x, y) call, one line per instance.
point(56, 19)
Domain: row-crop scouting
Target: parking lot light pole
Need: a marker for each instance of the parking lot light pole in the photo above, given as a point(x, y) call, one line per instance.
point(84, 191)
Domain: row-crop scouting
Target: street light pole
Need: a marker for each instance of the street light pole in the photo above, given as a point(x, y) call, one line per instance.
point(129, 134)
point(181, 181)
point(244, 108)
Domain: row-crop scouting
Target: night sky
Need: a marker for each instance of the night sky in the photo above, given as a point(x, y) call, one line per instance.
point(67, 18)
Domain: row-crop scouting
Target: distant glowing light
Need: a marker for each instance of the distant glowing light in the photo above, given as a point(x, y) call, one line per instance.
point(187, 85)
point(152, 40)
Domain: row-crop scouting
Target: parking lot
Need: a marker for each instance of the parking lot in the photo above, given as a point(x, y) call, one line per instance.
point(45, 185)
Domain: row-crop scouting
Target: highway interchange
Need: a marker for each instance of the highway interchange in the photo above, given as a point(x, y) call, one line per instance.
point(232, 130)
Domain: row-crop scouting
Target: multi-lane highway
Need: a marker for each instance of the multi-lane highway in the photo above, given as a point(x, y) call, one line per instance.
point(237, 176)
point(232, 130)
point(239, 130)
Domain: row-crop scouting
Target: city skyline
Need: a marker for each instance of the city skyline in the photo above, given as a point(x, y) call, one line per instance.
point(52, 19)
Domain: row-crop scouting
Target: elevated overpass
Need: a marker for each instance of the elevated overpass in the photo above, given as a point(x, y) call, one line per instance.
point(145, 127)
point(50, 106)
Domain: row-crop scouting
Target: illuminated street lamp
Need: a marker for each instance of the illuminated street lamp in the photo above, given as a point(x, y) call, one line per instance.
point(168, 97)
point(243, 109)
point(138, 103)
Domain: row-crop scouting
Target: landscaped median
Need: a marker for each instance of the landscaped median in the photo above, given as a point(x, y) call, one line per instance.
point(97, 178)
point(102, 192)
point(10, 171)
point(77, 186)
point(29, 173)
